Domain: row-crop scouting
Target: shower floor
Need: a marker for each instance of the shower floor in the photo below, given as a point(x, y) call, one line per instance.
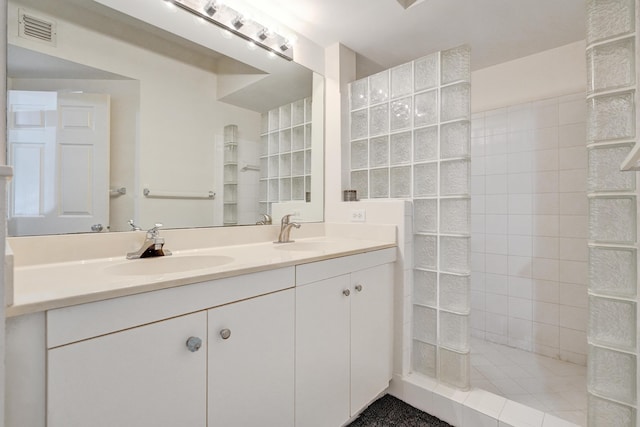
point(550, 385)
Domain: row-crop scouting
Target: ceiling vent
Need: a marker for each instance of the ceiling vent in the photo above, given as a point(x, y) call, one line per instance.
point(36, 28)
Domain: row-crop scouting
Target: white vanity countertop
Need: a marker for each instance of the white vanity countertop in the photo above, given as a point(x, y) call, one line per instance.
point(48, 285)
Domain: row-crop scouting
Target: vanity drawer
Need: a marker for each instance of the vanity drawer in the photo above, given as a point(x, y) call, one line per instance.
point(80, 322)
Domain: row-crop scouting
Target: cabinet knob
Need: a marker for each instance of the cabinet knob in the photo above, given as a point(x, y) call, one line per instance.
point(225, 334)
point(346, 292)
point(194, 344)
point(359, 287)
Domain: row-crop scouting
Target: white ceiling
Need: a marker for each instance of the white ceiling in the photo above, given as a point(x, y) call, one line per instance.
point(384, 32)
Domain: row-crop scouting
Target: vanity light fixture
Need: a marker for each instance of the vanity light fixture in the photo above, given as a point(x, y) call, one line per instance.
point(233, 22)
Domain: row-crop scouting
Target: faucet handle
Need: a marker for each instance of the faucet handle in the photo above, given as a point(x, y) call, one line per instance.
point(153, 232)
point(285, 219)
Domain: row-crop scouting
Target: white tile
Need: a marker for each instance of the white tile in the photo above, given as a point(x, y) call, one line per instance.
point(545, 269)
point(572, 157)
point(572, 340)
point(477, 242)
point(495, 164)
point(478, 185)
point(496, 284)
point(477, 125)
point(545, 225)
point(477, 261)
point(520, 224)
point(478, 203)
point(573, 112)
point(496, 304)
point(471, 417)
point(496, 184)
point(520, 183)
point(545, 291)
point(497, 204)
point(496, 324)
point(573, 295)
point(519, 162)
point(477, 301)
point(520, 204)
point(519, 266)
point(477, 281)
point(477, 145)
point(545, 247)
point(575, 226)
point(545, 139)
point(546, 182)
point(447, 404)
point(497, 338)
point(572, 135)
point(547, 313)
point(573, 318)
point(520, 287)
point(477, 165)
point(545, 160)
point(495, 121)
point(520, 141)
point(569, 419)
point(496, 144)
point(546, 334)
point(573, 249)
point(520, 117)
point(546, 204)
point(545, 115)
point(520, 308)
point(572, 180)
point(497, 224)
point(521, 245)
point(477, 223)
point(508, 386)
point(485, 402)
point(497, 244)
point(573, 204)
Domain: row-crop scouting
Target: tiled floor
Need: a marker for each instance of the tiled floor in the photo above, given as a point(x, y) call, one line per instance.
point(550, 385)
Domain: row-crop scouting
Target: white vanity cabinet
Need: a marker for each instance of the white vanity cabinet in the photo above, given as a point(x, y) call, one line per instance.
point(343, 336)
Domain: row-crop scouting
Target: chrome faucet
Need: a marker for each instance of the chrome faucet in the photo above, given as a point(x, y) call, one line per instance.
point(133, 225)
point(153, 245)
point(266, 220)
point(285, 229)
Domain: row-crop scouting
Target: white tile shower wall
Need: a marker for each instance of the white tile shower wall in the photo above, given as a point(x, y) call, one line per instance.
point(529, 227)
point(410, 138)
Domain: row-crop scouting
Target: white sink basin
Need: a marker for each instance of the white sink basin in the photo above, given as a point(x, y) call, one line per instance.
point(167, 264)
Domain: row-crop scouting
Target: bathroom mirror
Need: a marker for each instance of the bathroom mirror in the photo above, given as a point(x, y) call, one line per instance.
point(195, 137)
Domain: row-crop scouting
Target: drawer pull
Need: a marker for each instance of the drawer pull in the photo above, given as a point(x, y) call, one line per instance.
point(346, 292)
point(359, 288)
point(225, 334)
point(194, 344)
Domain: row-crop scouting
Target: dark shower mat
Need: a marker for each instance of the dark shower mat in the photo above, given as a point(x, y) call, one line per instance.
point(391, 412)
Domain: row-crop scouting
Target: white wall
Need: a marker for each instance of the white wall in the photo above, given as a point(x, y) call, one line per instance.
point(180, 123)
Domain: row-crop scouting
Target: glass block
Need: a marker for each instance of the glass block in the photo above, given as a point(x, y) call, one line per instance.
point(274, 190)
point(230, 173)
point(297, 112)
point(230, 193)
point(401, 148)
point(425, 110)
point(379, 87)
point(307, 162)
point(379, 183)
point(285, 165)
point(456, 102)
point(612, 323)
point(308, 109)
point(285, 140)
point(603, 412)
point(401, 80)
point(264, 145)
point(425, 217)
point(454, 139)
point(401, 114)
point(612, 271)
point(274, 143)
point(285, 189)
point(424, 358)
point(379, 151)
point(263, 190)
point(454, 216)
point(297, 163)
point(454, 177)
point(454, 254)
point(604, 169)
point(359, 154)
point(425, 144)
point(359, 94)
point(359, 124)
point(379, 120)
point(425, 291)
point(231, 133)
point(454, 293)
point(230, 214)
point(264, 123)
point(611, 65)
point(425, 179)
point(454, 331)
point(285, 116)
point(424, 251)
point(425, 324)
point(609, 18)
point(230, 153)
point(425, 72)
point(611, 117)
point(400, 181)
point(274, 119)
point(307, 185)
point(297, 138)
point(274, 166)
point(297, 188)
point(454, 368)
point(612, 219)
point(264, 167)
point(308, 136)
point(456, 64)
point(360, 183)
point(612, 374)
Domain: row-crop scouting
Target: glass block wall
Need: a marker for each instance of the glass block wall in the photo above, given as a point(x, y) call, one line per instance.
point(285, 155)
point(611, 132)
point(410, 133)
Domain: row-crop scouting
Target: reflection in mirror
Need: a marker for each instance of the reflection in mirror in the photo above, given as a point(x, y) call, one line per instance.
point(111, 119)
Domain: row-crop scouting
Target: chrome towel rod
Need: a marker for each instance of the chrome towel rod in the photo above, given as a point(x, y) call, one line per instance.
point(115, 192)
point(175, 195)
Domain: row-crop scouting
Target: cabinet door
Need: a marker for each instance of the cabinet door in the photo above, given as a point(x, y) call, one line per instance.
point(251, 352)
point(322, 353)
point(371, 334)
point(140, 377)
